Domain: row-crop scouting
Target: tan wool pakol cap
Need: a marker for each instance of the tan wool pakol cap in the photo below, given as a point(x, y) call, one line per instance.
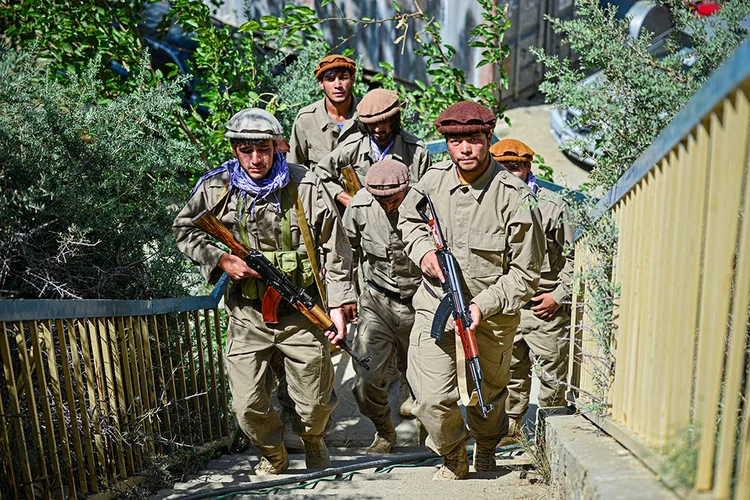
point(334, 61)
point(387, 177)
point(465, 117)
point(511, 150)
point(378, 105)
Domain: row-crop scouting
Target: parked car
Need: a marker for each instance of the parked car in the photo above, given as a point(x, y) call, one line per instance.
point(575, 138)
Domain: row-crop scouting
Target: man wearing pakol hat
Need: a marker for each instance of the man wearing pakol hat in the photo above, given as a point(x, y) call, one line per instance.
point(544, 319)
point(258, 196)
point(389, 279)
point(380, 137)
point(324, 124)
point(492, 226)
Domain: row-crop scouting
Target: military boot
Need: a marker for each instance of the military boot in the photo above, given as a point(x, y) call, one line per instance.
point(455, 465)
point(405, 400)
point(316, 454)
point(515, 432)
point(385, 438)
point(273, 463)
point(484, 459)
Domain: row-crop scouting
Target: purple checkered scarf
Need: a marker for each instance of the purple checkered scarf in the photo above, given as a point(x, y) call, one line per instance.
point(278, 177)
point(531, 182)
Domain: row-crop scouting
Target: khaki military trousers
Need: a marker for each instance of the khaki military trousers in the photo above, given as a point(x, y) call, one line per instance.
point(545, 341)
point(432, 376)
point(382, 330)
point(251, 346)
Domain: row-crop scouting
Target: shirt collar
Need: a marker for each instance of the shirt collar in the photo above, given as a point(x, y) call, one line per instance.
point(394, 152)
point(479, 186)
point(325, 121)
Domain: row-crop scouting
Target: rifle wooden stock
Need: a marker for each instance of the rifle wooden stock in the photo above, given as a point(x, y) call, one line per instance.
point(208, 223)
point(351, 180)
point(279, 285)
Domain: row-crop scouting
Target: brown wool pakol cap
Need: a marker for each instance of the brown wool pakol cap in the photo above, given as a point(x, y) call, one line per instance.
point(465, 117)
point(387, 177)
point(511, 150)
point(334, 61)
point(378, 105)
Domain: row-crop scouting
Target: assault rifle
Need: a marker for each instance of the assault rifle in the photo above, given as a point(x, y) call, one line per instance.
point(352, 184)
point(279, 285)
point(453, 302)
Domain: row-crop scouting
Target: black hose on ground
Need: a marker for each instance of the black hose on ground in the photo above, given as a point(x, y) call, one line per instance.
point(331, 471)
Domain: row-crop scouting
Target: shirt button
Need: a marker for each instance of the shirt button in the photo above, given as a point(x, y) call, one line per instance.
point(505, 175)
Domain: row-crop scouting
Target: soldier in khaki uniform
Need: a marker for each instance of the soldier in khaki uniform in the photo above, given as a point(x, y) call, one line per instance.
point(490, 222)
point(258, 196)
point(389, 279)
point(380, 137)
point(544, 319)
point(324, 124)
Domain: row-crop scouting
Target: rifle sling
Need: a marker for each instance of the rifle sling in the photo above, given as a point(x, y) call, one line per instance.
point(304, 230)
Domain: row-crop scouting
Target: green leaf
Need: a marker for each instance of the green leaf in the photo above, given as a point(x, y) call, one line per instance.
point(396, 6)
point(347, 52)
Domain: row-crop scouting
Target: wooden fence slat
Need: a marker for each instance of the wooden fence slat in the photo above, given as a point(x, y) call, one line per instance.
point(15, 408)
point(740, 305)
point(150, 386)
point(92, 379)
point(628, 351)
point(78, 372)
point(131, 388)
point(194, 379)
point(116, 330)
point(202, 372)
point(184, 400)
point(212, 374)
point(108, 343)
point(163, 401)
point(38, 440)
point(96, 330)
point(62, 340)
point(172, 374)
point(718, 267)
point(675, 284)
point(222, 375)
point(140, 367)
point(7, 464)
point(55, 387)
point(46, 409)
point(623, 221)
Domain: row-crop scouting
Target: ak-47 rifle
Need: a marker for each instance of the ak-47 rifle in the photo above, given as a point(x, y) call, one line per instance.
point(352, 184)
point(453, 302)
point(279, 285)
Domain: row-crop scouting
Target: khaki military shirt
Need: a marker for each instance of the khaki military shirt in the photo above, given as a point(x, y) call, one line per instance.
point(374, 236)
point(557, 268)
point(315, 133)
point(356, 151)
point(493, 228)
point(264, 232)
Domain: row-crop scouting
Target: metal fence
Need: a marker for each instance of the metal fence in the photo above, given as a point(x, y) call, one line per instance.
point(682, 340)
point(93, 390)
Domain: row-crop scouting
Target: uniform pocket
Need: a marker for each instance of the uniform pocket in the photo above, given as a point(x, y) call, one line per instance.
point(486, 254)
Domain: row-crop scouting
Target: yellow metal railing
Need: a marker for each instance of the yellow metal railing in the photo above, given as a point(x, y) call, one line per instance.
point(88, 401)
point(682, 340)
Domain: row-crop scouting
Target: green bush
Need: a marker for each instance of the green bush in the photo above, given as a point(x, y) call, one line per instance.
point(86, 185)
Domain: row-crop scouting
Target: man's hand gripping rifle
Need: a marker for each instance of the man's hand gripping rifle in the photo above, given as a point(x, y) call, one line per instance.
point(453, 302)
point(279, 285)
